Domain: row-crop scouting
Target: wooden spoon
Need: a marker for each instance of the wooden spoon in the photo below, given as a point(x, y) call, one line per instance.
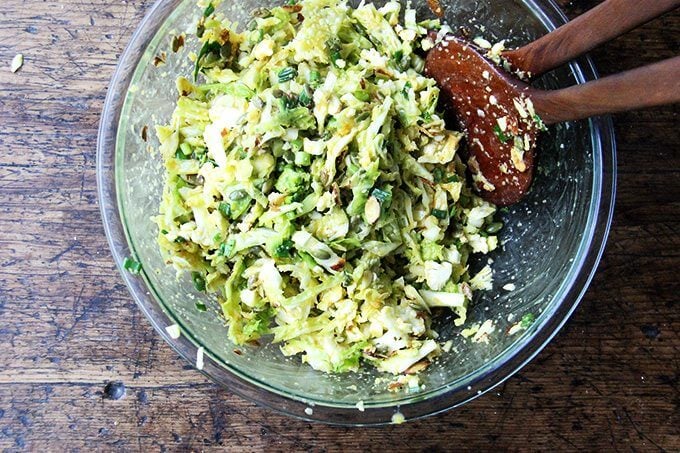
point(502, 115)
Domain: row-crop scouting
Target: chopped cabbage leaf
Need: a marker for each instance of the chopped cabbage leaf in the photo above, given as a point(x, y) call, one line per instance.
point(313, 186)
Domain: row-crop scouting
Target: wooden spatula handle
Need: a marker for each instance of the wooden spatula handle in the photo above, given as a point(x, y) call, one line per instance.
point(603, 23)
point(656, 84)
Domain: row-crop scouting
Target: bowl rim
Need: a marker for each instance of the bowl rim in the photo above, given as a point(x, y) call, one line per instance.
point(482, 380)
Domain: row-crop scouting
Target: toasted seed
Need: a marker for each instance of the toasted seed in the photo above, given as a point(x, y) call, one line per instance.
point(17, 62)
point(159, 59)
point(173, 331)
point(372, 209)
point(177, 42)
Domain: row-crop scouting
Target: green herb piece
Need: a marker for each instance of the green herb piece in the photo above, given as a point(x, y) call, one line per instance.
point(132, 266)
point(384, 197)
point(539, 123)
point(398, 56)
point(209, 10)
point(283, 249)
point(225, 210)
point(287, 74)
point(438, 174)
point(305, 97)
point(440, 213)
point(494, 227)
point(527, 320)
point(314, 77)
point(334, 50)
point(208, 48)
point(452, 178)
point(200, 306)
point(198, 280)
point(287, 102)
point(179, 154)
point(499, 133)
point(227, 247)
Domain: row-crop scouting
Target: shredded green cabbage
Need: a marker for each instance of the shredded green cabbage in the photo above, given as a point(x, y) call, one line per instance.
point(312, 185)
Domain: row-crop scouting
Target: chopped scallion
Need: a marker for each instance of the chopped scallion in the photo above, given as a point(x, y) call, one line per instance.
point(383, 196)
point(227, 247)
point(527, 320)
point(440, 213)
point(132, 266)
point(438, 174)
point(499, 133)
point(314, 77)
point(539, 123)
point(198, 280)
point(494, 227)
point(283, 249)
point(287, 74)
point(305, 97)
point(225, 210)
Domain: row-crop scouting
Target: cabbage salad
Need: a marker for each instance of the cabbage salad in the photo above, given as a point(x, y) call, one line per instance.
point(313, 187)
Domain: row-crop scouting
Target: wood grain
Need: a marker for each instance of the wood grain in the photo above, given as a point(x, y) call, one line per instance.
point(609, 381)
point(598, 25)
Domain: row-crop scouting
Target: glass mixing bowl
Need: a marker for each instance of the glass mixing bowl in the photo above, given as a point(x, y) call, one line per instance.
point(552, 240)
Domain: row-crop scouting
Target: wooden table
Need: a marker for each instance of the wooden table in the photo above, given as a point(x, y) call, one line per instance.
point(610, 380)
